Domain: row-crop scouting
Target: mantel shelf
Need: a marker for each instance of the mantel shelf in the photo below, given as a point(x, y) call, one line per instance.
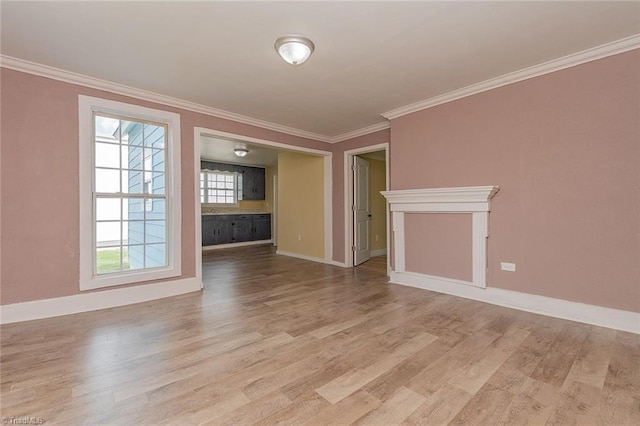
point(461, 199)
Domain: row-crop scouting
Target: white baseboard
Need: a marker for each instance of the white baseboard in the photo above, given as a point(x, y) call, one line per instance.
point(379, 252)
point(336, 263)
point(558, 308)
point(93, 301)
point(230, 245)
point(304, 257)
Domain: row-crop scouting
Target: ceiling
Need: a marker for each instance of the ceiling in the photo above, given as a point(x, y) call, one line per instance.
point(221, 150)
point(370, 58)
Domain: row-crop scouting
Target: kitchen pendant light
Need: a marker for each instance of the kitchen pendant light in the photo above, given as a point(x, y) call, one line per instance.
point(294, 49)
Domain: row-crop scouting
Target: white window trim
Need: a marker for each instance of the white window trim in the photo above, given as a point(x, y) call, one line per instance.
point(88, 279)
point(236, 201)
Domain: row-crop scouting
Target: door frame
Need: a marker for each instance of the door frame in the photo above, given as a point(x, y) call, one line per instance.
point(198, 132)
point(348, 200)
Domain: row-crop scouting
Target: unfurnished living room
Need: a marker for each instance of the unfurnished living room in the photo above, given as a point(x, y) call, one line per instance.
point(314, 213)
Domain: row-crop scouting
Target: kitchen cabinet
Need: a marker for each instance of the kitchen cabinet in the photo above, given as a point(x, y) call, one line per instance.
point(253, 183)
point(235, 228)
point(242, 228)
point(262, 227)
point(216, 230)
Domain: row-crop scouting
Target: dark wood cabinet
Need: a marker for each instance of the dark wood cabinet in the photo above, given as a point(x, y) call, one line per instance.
point(262, 227)
point(253, 183)
point(230, 228)
point(216, 230)
point(242, 228)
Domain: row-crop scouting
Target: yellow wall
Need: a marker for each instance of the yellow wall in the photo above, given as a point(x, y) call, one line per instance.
point(301, 204)
point(377, 183)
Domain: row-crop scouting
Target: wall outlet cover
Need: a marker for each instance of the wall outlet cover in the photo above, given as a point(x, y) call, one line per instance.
point(506, 266)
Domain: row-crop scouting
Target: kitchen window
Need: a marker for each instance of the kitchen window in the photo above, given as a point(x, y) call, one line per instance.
point(130, 209)
point(220, 188)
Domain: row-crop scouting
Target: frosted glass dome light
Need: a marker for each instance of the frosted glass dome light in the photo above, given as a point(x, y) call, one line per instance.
point(294, 49)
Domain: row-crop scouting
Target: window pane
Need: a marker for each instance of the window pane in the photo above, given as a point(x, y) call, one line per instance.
point(154, 135)
point(108, 260)
point(105, 127)
point(107, 234)
point(108, 209)
point(132, 182)
point(155, 255)
point(132, 158)
point(131, 133)
point(134, 257)
point(157, 210)
point(157, 162)
point(157, 183)
point(107, 155)
point(135, 232)
point(156, 231)
point(229, 178)
point(107, 180)
point(133, 209)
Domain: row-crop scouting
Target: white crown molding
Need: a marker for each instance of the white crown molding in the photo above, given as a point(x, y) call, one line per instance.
point(549, 306)
point(599, 52)
point(29, 67)
point(361, 132)
point(95, 300)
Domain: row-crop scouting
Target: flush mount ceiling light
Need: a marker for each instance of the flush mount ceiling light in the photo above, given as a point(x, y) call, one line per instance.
point(241, 152)
point(294, 49)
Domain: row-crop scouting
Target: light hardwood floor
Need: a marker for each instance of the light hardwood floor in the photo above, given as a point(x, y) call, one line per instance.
point(277, 340)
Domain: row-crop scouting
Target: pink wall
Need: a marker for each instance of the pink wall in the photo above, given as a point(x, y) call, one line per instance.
point(338, 150)
point(39, 177)
point(441, 244)
point(565, 150)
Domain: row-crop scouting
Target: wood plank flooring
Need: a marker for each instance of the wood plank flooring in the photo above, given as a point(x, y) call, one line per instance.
point(277, 340)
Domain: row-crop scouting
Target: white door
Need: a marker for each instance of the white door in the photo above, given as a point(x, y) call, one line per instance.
point(361, 214)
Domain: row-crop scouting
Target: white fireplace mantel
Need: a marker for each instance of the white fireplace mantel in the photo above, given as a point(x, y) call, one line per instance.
point(471, 199)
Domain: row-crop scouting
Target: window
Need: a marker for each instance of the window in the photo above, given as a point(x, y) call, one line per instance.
point(218, 187)
point(130, 224)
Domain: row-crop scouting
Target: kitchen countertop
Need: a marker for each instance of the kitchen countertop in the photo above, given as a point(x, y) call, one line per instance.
point(235, 212)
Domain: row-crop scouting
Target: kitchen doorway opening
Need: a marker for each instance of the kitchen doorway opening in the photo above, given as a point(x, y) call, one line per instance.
point(322, 243)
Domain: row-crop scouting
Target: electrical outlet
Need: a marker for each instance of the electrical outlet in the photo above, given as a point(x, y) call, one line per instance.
point(299, 237)
point(377, 237)
point(506, 266)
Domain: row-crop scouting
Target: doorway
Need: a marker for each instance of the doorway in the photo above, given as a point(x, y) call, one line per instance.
point(325, 189)
point(366, 173)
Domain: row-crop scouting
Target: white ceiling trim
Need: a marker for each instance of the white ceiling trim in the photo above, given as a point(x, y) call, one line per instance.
point(361, 132)
point(121, 89)
point(599, 52)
